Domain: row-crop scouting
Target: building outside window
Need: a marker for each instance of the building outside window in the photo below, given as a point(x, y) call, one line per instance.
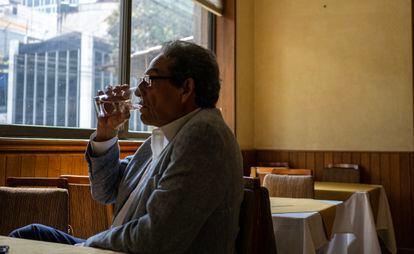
point(55, 55)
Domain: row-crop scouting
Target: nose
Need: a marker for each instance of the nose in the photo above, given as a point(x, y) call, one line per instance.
point(140, 89)
point(137, 92)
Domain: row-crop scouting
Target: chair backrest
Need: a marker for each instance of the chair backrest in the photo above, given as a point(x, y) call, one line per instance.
point(292, 186)
point(87, 216)
point(261, 235)
point(347, 173)
point(23, 206)
point(247, 220)
point(275, 164)
point(37, 182)
point(261, 172)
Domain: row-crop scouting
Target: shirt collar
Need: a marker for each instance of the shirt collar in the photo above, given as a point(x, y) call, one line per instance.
point(172, 128)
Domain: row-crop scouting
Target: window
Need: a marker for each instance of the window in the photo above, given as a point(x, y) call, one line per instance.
point(53, 60)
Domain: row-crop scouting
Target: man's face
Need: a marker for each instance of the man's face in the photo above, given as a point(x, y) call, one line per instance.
point(161, 101)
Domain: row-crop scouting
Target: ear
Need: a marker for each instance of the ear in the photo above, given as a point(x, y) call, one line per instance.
point(188, 90)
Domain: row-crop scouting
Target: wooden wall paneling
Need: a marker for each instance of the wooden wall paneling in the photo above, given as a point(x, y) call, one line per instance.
point(365, 167)
point(406, 190)
point(28, 162)
point(2, 169)
point(395, 197)
point(284, 156)
point(66, 164)
point(301, 160)
point(411, 235)
point(356, 158)
point(42, 163)
point(79, 163)
point(375, 168)
point(293, 159)
point(226, 58)
point(319, 165)
point(13, 165)
point(310, 161)
point(53, 169)
point(346, 157)
point(327, 158)
point(385, 172)
point(337, 157)
point(249, 160)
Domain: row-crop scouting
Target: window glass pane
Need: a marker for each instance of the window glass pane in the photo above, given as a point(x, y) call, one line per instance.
point(54, 55)
point(154, 22)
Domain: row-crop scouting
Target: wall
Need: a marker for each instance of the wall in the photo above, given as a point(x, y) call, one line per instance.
point(332, 75)
point(245, 74)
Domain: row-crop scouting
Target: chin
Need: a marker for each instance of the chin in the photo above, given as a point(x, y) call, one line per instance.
point(146, 121)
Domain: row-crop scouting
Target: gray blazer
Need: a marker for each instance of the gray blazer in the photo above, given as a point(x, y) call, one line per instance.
point(189, 201)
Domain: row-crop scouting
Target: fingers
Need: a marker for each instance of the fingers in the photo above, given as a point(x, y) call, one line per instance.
point(116, 92)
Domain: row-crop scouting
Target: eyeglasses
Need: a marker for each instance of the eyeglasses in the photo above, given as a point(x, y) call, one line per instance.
point(147, 79)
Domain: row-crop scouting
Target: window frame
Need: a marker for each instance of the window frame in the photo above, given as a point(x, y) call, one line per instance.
point(218, 29)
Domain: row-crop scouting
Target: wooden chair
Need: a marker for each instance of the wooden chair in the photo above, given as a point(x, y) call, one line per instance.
point(274, 164)
point(87, 216)
point(21, 206)
point(292, 183)
point(347, 173)
point(257, 238)
point(37, 182)
point(247, 220)
point(262, 171)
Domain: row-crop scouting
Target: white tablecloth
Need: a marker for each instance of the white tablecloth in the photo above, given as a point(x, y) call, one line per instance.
point(356, 216)
point(354, 231)
point(299, 232)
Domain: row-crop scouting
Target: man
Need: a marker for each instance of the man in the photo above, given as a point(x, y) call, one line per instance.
point(181, 191)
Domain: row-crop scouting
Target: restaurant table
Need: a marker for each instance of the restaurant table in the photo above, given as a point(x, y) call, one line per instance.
point(302, 225)
point(23, 246)
point(365, 212)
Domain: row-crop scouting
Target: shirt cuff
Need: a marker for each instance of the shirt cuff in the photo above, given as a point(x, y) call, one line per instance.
point(100, 148)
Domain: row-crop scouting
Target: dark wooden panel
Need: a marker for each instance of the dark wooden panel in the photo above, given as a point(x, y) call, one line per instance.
point(13, 165)
point(249, 160)
point(405, 189)
point(385, 172)
point(365, 167)
point(328, 158)
point(42, 163)
point(301, 160)
point(395, 193)
point(337, 157)
point(54, 166)
point(28, 163)
point(310, 161)
point(2, 170)
point(293, 159)
point(346, 157)
point(319, 164)
point(375, 168)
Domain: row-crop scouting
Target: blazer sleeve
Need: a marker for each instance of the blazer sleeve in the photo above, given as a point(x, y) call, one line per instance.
point(188, 192)
point(105, 173)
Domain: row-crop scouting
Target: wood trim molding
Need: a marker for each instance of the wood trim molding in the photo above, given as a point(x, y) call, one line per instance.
point(20, 145)
point(226, 57)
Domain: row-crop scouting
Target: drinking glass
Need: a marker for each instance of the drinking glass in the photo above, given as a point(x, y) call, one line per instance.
point(120, 99)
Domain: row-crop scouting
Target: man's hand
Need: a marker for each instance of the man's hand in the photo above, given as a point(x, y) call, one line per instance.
point(108, 124)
